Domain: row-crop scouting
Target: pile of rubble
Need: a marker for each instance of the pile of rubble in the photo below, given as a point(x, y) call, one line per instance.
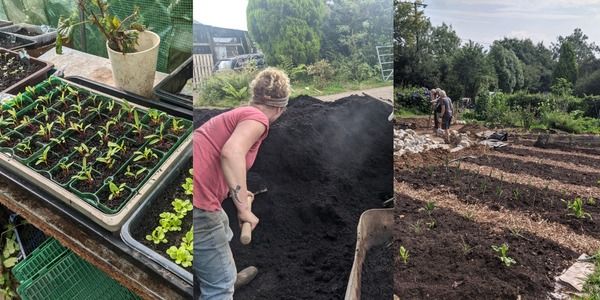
point(408, 141)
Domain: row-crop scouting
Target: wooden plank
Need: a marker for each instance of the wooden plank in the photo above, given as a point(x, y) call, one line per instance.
point(203, 64)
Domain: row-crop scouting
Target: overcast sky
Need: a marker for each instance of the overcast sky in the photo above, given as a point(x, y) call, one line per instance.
point(221, 13)
point(541, 20)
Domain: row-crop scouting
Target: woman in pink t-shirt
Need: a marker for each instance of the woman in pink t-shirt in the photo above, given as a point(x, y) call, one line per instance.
point(225, 148)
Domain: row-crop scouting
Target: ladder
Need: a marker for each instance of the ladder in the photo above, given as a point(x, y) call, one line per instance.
point(385, 55)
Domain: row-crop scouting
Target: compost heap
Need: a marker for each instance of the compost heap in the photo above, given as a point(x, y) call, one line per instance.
point(324, 164)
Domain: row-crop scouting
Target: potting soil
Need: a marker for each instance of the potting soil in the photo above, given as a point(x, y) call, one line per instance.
point(377, 281)
point(324, 164)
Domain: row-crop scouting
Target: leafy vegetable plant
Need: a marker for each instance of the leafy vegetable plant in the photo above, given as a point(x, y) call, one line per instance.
point(170, 221)
point(115, 190)
point(403, 254)
point(502, 252)
point(158, 236)
point(576, 209)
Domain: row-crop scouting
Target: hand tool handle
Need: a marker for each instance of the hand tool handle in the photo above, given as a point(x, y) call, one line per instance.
point(246, 235)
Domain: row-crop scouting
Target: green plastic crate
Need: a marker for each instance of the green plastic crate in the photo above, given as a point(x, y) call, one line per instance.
point(48, 251)
point(71, 277)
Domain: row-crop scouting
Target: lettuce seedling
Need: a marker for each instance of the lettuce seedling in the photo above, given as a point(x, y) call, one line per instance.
point(503, 254)
point(181, 206)
point(403, 254)
point(170, 221)
point(180, 255)
point(158, 236)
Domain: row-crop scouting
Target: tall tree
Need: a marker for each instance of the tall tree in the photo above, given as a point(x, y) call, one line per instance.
point(567, 64)
point(287, 29)
point(353, 28)
point(472, 70)
point(508, 67)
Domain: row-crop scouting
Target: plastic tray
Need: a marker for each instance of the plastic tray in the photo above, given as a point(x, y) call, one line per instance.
point(133, 98)
point(110, 221)
point(169, 88)
point(39, 258)
point(21, 42)
point(42, 38)
point(136, 219)
point(70, 277)
point(32, 79)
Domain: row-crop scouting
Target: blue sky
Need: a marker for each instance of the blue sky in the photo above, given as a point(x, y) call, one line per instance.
point(541, 20)
point(221, 13)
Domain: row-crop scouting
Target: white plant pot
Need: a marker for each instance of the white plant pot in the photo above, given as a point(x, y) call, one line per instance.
point(134, 72)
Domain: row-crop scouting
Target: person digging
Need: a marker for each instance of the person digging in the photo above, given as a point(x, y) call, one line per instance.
point(446, 113)
point(225, 148)
point(435, 108)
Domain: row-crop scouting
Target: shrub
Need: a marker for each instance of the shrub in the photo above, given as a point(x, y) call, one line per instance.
point(228, 85)
point(571, 122)
point(353, 68)
point(412, 97)
point(321, 72)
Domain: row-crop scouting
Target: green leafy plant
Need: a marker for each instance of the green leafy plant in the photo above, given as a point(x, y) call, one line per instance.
point(429, 207)
point(181, 206)
point(44, 99)
point(24, 146)
point(43, 158)
point(403, 254)
point(502, 252)
point(147, 154)
point(97, 109)
point(155, 115)
point(170, 221)
point(127, 108)
point(180, 255)
point(576, 209)
point(157, 137)
point(109, 157)
point(121, 35)
point(176, 126)
point(86, 172)
point(234, 93)
point(188, 186)
point(77, 108)
point(135, 175)
point(137, 126)
point(62, 120)
point(9, 258)
point(65, 166)
point(84, 150)
point(110, 105)
point(45, 131)
point(157, 236)
point(4, 138)
point(79, 127)
point(115, 190)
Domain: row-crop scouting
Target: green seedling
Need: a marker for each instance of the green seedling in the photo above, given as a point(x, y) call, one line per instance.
point(13, 114)
point(62, 120)
point(43, 158)
point(97, 109)
point(576, 209)
point(24, 146)
point(127, 108)
point(4, 122)
point(516, 194)
point(145, 155)
point(403, 254)
point(429, 207)
point(4, 138)
point(181, 206)
point(176, 126)
point(65, 167)
point(18, 102)
point(180, 255)
point(188, 239)
point(170, 221)
point(158, 236)
point(157, 137)
point(79, 127)
point(135, 175)
point(502, 252)
point(44, 99)
point(155, 115)
point(26, 121)
point(110, 105)
point(115, 190)
point(188, 186)
point(84, 150)
point(137, 126)
point(45, 131)
point(86, 172)
point(77, 108)
point(591, 201)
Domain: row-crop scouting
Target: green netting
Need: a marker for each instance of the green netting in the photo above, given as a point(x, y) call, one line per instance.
point(38, 259)
point(170, 19)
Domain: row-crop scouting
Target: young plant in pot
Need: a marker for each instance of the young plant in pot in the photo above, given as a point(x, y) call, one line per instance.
point(132, 50)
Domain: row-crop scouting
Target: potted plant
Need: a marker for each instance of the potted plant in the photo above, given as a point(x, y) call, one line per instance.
point(132, 50)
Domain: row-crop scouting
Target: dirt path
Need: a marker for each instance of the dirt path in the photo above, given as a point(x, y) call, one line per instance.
point(511, 220)
point(548, 162)
point(385, 93)
point(533, 181)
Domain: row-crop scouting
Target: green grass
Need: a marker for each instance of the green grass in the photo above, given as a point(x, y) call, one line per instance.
point(409, 113)
point(592, 284)
point(335, 87)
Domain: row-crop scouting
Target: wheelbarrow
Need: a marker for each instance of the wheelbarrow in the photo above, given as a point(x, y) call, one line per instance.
point(374, 229)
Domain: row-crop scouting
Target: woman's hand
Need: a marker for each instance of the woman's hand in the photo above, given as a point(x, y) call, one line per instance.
point(247, 216)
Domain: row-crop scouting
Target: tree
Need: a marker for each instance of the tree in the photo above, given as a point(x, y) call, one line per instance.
point(353, 28)
point(567, 64)
point(537, 63)
point(508, 67)
point(287, 28)
point(472, 70)
point(584, 51)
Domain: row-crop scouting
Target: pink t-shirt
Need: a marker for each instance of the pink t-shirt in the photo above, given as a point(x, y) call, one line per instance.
point(210, 187)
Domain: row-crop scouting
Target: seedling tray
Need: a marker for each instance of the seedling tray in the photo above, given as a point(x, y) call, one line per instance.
point(170, 89)
point(31, 32)
point(137, 99)
point(34, 71)
point(90, 196)
point(5, 41)
point(147, 216)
